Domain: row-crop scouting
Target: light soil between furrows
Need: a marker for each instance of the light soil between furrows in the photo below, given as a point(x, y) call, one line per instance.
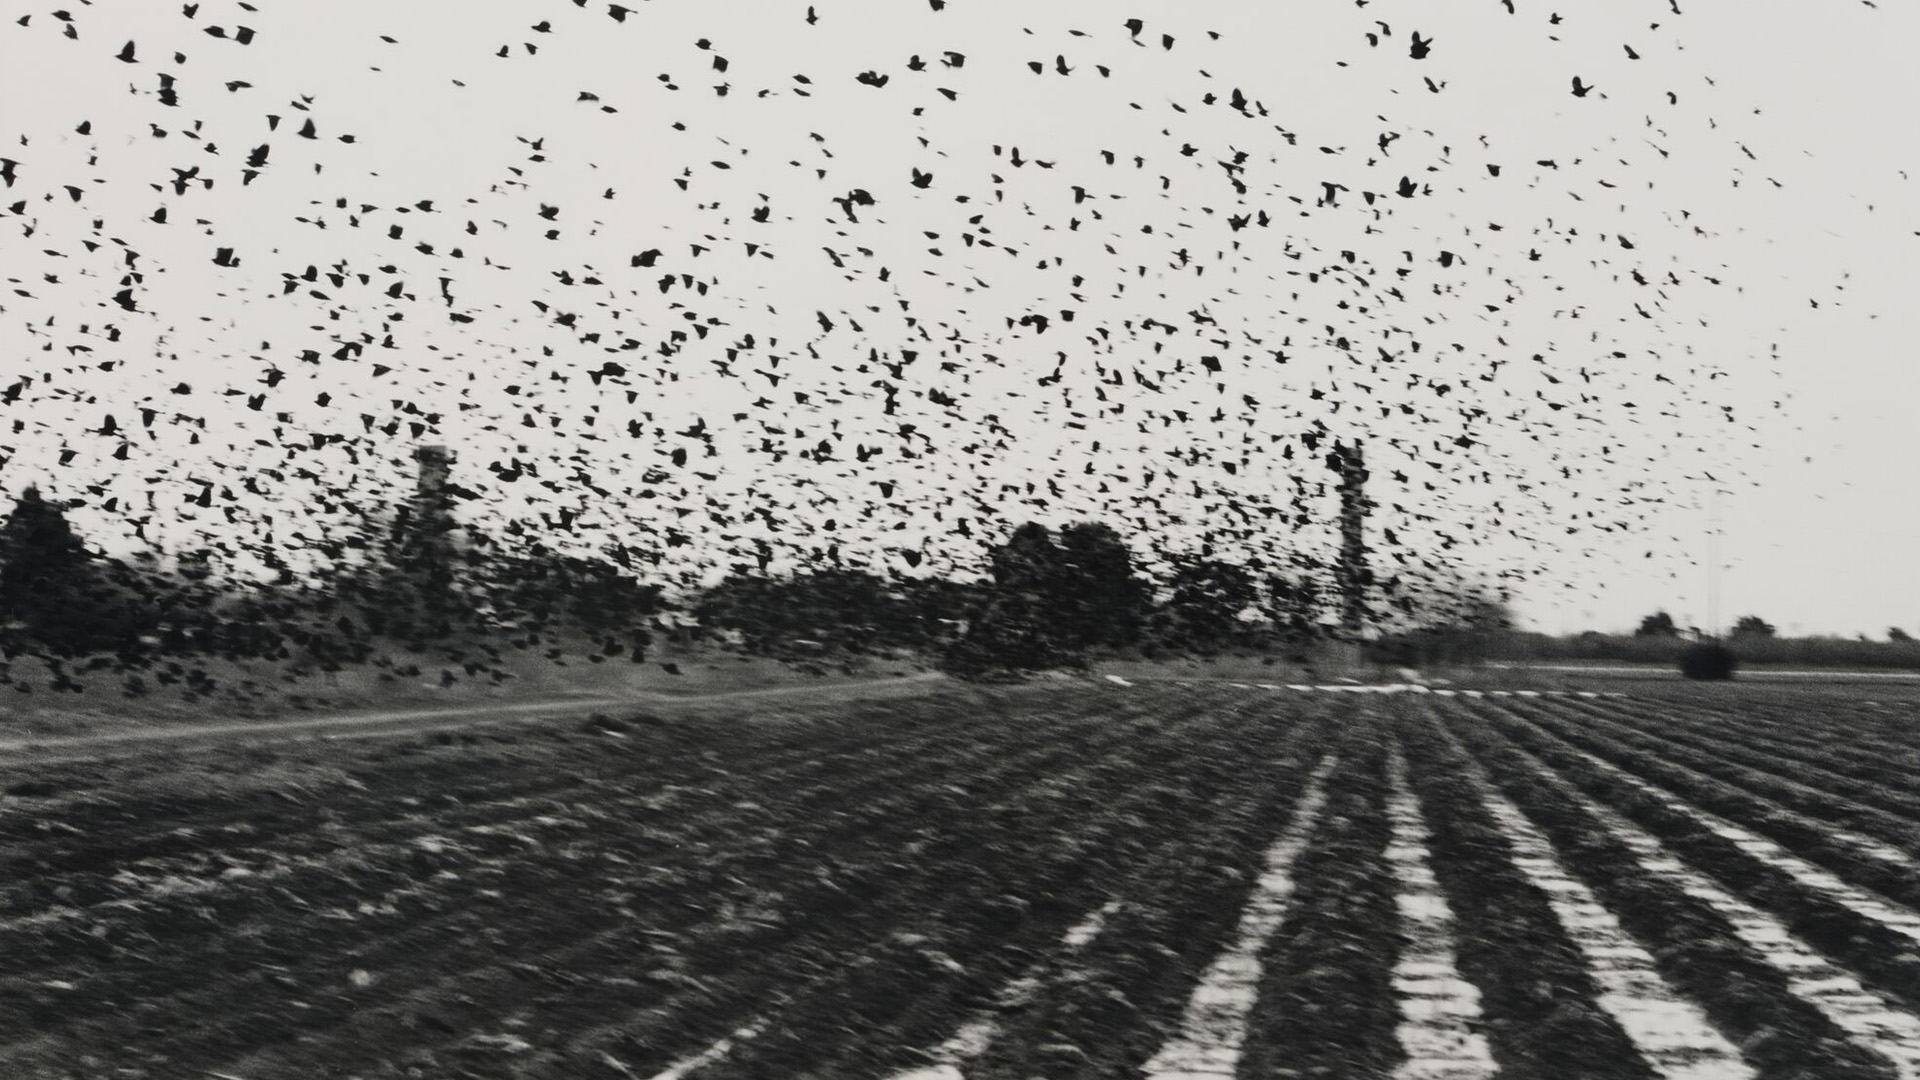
point(1073, 878)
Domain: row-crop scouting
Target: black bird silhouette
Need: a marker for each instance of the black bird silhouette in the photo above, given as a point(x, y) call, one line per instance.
point(1138, 267)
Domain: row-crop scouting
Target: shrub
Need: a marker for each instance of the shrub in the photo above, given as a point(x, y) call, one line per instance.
point(1707, 660)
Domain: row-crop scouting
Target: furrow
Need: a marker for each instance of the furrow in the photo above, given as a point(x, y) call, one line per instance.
point(1214, 1026)
point(980, 1032)
point(1669, 1031)
point(1875, 809)
point(1805, 873)
point(1763, 732)
point(856, 1000)
point(1881, 955)
point(1866, 1016)
point(1538, 992)
point(1440, 1010)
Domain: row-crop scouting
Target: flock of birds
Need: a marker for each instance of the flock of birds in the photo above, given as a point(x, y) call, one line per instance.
point(875, 307)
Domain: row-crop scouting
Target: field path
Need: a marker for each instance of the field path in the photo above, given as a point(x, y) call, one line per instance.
point(366, 724)
point(1752, 673)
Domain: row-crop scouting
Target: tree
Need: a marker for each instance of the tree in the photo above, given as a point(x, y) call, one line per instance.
point(1752, 626)
point(594, 595)
point(1020, 625)
point(843, 609)
point(1293, 606)
point(52, 588)
point(1457, 619)
point(940, 607)
point(1482, 610)
point(1203, 606)
point(1658, 624)
point(1027, 562)
point(1101, 602)
point(38, 550)
point(1894, 633)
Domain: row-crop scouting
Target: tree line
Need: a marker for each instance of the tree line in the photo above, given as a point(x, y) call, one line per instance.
point(1748, 628)
point(413, 579)
point(1048, 598)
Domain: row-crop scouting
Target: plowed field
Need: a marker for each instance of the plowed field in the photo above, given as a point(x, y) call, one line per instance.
point(1074, 879)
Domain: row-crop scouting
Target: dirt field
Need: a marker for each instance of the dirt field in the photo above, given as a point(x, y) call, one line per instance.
point(1074, 878)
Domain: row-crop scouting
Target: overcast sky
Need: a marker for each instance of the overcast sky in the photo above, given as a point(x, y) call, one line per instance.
point(1555, 318)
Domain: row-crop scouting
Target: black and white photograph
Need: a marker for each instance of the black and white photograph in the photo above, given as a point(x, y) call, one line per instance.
point(959, 540)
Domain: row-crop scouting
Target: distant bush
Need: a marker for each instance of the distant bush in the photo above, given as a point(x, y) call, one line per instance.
point(1707, 660)
point(1657, 625)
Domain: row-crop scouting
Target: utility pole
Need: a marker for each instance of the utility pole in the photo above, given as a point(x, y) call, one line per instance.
point(1713, 564)
point(1350, 463)
point(434, 473)
point(426, 552)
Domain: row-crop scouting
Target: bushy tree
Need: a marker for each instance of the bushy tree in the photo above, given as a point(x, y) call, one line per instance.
point(1456, 620)
point(1894, 633)
point(39, 554)
point(1658, 624)
point(836, 609)
point(1293, 606)
point(1752, 626)
point(1020, 624)
point(579, 592)
point(939, 607)
point(1481, 610)
point(1202, 610)
point(1028, 560)
point(1101, 601)
point(56, 592)
point(414, 572)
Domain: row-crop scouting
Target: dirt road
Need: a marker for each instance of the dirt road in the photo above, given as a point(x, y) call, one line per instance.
point(367, 724)
point(1663, 671)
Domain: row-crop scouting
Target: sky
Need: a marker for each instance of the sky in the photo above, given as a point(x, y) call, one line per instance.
point(889, 278)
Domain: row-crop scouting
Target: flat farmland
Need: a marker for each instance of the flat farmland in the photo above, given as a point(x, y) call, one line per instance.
point(1066, 879)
